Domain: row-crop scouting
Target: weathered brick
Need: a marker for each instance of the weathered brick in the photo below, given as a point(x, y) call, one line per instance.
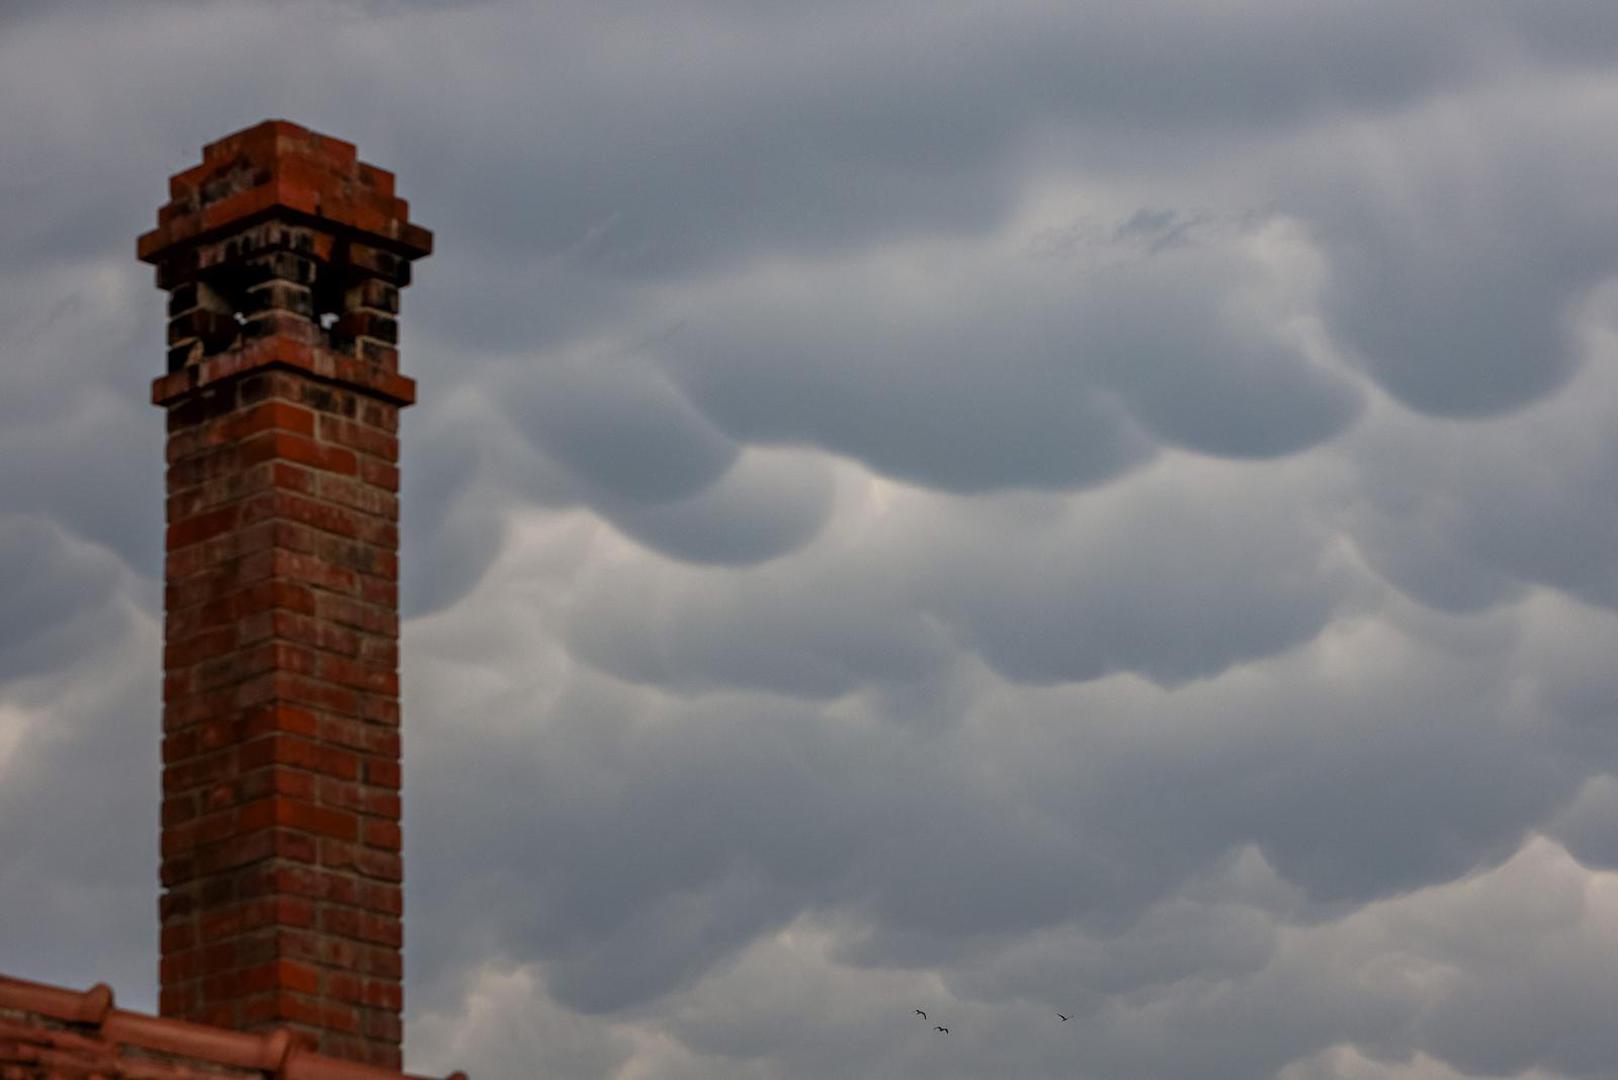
point(380, 773)
point(290, 750)
point(281, 751)
point(381, 591)
point(381, 834)
point(277, 717)
point(281, 446)
point(381, 929)
point(345, 986)
point(380, 960)
point(378, 897)
point(358, 495)
point(370, 739)
point(379, 864)
point(358, 436)
point(342, 921)
point(200, 527)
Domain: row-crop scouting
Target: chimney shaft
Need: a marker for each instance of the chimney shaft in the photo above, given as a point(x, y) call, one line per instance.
point(283, 257)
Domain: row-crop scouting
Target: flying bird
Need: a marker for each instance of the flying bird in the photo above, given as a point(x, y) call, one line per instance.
point(1064, 1019)
point(921, 1014)
point(945, 1030)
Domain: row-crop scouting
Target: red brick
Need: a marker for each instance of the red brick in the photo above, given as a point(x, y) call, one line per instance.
point(200, 527)
point(299, 1009)
point(219, 1013)
point(387, 899)
point(382, 652)
point(198, 771)
point(179, 745)
point(370, 618)
point(177, 938)
point(381, 834)
point(357, 495)
point(340, 953)
point(188, 710)
point(278, 718)
point(219, 923)
point(380, 473)
point(371, 678)
point(383, 929)
point(381, 533)
point(222, 825)
point(217, 892)
point(319, 695)
point(177, 684)
point(176, 871)
point(339, 1018)
point(381, 960)
point(280, 845)
point(379, 864)
point(178, 839)
point(272, 415)
point(383, 994)
point(381, 773)
point(303, 753)
point(340, 889)
point(283, 446)
point(345, 987)
point(292, 478)
point(219, 796)
point(323, 820)
point(178, 809)
point(359, 437)
point(202, 646)
point(342, 921)
point(380, 710)
point(283, 974)
point(176, 1001)
point(337, 854)
point(221, 956)
point(316, 571)
point(383, 804)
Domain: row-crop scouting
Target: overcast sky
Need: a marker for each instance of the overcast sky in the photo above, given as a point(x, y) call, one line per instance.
point(997, 508)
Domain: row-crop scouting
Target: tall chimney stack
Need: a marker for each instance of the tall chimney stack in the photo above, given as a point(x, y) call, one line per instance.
point(283, 257)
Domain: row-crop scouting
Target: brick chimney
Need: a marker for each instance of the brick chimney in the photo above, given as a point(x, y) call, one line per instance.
point(283, 257)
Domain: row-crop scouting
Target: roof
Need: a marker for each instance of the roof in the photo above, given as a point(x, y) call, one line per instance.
point(48, 1032)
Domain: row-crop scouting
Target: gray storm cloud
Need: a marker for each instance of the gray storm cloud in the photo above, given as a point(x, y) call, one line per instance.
point(994, 508)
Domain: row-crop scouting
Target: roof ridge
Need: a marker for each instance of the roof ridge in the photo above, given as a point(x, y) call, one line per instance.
point(281, 1053)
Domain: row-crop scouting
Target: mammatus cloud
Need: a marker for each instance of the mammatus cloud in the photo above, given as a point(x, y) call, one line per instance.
point(997, 509)
point(1046, 367)
point(1458, 264)
point(1436, 984)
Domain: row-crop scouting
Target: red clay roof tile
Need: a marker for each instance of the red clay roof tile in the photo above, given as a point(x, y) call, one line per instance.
point(48, 1031)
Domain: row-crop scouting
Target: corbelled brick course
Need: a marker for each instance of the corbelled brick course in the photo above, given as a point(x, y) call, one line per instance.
point(283, 256)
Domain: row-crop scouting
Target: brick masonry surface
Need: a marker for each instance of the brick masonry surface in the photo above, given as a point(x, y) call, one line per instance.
point(281, 871)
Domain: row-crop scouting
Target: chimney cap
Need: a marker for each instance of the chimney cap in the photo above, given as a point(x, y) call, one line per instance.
point(280, 169)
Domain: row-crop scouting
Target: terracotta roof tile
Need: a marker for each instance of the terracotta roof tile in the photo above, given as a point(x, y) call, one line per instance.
point(50, 1032)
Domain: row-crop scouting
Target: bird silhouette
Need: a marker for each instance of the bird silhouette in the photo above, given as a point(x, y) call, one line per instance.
point(945, 1030)
point(1065, 1019)
point(921, 1014)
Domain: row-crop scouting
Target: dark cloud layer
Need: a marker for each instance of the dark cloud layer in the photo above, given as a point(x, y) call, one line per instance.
point(995, 508)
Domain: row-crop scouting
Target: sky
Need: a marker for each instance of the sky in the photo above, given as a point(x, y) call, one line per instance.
point(994, 508)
